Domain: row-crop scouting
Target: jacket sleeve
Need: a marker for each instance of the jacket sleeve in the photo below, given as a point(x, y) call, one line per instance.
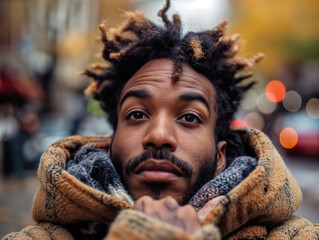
point(295, 228)
point(41, 231)
point(139, 226)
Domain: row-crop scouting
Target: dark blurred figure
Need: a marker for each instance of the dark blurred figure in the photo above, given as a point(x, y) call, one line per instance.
point(20, 152)
point(20, 100)
point(18, 88)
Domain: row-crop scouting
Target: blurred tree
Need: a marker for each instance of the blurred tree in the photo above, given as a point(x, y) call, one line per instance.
point(286, 31)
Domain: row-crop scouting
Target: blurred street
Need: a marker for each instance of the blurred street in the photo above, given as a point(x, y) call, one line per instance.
point(306, 172)
point(16, 195)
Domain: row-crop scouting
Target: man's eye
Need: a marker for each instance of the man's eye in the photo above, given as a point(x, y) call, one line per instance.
point(136, 115)
point(190, 118)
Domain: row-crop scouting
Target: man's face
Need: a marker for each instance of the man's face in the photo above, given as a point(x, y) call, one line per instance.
point(164, 143)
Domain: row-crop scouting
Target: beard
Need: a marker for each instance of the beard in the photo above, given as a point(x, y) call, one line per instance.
point(205, 173)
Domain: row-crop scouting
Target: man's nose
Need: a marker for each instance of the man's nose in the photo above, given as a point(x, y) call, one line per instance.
point(160, 134)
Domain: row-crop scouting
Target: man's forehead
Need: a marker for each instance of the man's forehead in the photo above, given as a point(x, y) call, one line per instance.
point(158, 74)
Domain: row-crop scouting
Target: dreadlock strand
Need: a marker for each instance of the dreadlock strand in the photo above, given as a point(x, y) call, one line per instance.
point(162, 13)
point(117, 56)
point(103, 33)
point(137, 23)
point(99, 66)
point(197, 48)
point(97, 77)
point(116, 38)
point(217, 32)
point(222, 27)
point(123, 52)
point(250, 62)
point(256, 59)
point(138, 19)
point(249, 85)
point(237, 64)
point(92, 89)
point(177, 22)
point(109, 46)
point(243, 77)
point(234, 45)
point(229, 45)
point(178, 68)
point(117, 35)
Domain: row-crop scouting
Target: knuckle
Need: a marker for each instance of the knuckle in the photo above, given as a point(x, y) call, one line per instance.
point(169, 199)
point(145, 198)
point(187, 210)
point(170, 203)
point(142, 202)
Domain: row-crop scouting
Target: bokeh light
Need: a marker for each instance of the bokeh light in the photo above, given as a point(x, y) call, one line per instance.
point(292, 101)
point(255, 120)
point(288, 137)
point(264, 105)
point(275, 91)
point(250, 100)
point(239, 123)
point(312, 108)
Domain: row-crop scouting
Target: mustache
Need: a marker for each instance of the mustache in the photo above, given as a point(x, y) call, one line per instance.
point(159, 154)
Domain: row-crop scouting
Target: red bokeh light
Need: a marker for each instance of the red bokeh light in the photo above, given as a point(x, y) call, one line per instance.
point(275, 91)
point(239, 123)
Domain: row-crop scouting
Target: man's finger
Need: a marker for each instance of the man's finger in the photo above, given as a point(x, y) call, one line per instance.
point(202, 213)
point(141, 202)
point(168, 210)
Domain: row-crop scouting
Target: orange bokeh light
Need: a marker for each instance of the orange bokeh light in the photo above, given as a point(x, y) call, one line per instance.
point(275, 91)
point(239, 123)
point(288, 137)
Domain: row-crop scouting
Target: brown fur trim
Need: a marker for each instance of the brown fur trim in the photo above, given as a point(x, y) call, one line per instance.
point(268, 195)
point(249, 233)
point(296, 228)
point(63, 199)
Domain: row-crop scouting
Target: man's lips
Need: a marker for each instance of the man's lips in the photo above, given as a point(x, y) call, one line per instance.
point(158, 170)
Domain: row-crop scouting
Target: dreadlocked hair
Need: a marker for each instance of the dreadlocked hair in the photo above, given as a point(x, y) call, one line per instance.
point(138, 41)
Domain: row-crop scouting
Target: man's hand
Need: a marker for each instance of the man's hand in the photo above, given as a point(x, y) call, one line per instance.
point(168, 210)
point(202, 213)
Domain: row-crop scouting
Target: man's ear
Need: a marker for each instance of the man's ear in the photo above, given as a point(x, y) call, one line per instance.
point(221, 157)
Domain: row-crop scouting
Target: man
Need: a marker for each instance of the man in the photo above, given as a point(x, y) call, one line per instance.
point(172, 169)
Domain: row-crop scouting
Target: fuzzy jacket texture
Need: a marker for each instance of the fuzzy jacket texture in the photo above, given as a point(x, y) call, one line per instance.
point(261, 206)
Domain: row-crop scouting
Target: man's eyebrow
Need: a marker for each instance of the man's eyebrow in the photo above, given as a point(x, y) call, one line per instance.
point(195, 97)
point(141, 94)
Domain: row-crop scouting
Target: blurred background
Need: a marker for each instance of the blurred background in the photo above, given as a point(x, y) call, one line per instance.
point(44, 44)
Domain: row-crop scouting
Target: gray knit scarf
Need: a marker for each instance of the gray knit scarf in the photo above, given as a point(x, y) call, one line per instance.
point(94, 167)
